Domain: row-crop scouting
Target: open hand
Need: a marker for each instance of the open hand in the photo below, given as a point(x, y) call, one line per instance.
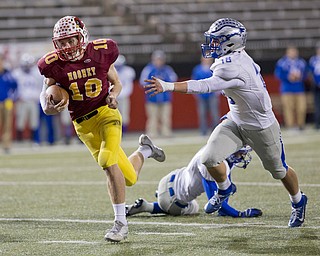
point(154, 87)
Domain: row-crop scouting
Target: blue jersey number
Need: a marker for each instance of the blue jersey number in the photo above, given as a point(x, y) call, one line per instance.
point(226, 60)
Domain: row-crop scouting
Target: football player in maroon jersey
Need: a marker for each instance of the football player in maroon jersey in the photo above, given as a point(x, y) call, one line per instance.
point(86, 71)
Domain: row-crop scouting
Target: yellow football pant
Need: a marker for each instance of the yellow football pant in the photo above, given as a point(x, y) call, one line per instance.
point(102, 136)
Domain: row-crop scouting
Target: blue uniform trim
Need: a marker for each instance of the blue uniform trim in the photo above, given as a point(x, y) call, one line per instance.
point(156, 208)
point(209, 187)
point(171, 191)
point(283, 155)
point(228, 210)
point(181, 205)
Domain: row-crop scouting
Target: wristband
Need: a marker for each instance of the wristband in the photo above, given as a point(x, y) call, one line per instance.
point(166, 86)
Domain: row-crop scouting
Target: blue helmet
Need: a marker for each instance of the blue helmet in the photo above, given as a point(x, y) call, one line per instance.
point(241, 158)
point(223, 37)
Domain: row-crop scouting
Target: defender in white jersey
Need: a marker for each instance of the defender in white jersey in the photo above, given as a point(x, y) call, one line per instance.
point(178, 190)
point(29, 82)
point(250, 119)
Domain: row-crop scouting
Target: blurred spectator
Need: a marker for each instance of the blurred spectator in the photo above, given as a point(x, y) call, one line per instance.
point(29, 83)
point(46, 127)
point(314, 64)
point(207, 103)
point(67, 127)
point(159, 107)
point(291, 71)
point(126, 76)
point(8, 86)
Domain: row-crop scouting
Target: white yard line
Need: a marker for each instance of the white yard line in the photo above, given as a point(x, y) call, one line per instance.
point(81, 242)
point(164, 234)
point(140, 182)
point(200, 225)
point(68, 242)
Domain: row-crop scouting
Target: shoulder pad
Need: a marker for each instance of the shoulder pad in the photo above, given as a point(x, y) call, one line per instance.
point(226, 72)
point(104, 49)
point(47, 64)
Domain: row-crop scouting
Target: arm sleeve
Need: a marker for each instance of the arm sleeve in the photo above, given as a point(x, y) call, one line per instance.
point(228, 210)
point(212, 84)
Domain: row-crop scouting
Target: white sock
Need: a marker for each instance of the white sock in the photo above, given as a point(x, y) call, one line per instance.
point(228, 170)
point(145, 151)
point(120, 212)
point(224, 185)
point(296, 198)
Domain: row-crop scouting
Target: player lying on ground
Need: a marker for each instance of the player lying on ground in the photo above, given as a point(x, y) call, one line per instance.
point(177, 191)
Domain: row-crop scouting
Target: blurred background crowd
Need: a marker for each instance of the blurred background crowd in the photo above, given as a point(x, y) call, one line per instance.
point(160, 38)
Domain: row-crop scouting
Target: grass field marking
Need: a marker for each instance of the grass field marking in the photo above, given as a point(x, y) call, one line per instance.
point(68, 242)
point(94, 243)
point(102, 183)
point(201, 225)
point(62, 183)
point(164, 234)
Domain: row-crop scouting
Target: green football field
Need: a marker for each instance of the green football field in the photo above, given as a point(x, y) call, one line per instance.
point(54, 201)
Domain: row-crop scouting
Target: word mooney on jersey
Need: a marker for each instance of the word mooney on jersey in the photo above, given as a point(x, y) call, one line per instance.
point(82, 73)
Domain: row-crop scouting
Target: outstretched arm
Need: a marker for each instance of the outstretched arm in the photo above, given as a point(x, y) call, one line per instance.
point(212, 84)
point(227, 210)
point(156, 86)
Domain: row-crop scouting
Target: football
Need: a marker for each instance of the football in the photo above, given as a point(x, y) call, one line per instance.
point(57, 93)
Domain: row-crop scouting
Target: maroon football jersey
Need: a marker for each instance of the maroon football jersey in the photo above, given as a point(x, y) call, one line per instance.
point(85, 80)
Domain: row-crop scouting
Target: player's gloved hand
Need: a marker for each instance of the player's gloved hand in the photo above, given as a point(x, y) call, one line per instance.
point(250, 213)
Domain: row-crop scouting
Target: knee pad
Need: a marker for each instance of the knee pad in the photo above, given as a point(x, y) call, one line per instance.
point(209, 160)
point(130, 181)
point(106, 158)
point(277, 173)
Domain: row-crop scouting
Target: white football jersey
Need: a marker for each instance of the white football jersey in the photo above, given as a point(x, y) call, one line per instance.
point(188, 181)
point(29, 84)
point(126, 75)
point(238, 76)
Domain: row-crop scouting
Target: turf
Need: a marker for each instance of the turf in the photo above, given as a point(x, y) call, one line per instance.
point(54, 202)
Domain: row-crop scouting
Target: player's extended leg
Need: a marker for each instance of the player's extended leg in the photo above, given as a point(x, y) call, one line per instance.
point(272, 155)
point(298, 203)
point(102, 136)
point(224, 140)
point(225, 188)
point(210, 187)
point(131, 166)
point(116, 189)
point(142, 205)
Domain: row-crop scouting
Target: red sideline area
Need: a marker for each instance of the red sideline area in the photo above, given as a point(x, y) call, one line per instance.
point(185, 109)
